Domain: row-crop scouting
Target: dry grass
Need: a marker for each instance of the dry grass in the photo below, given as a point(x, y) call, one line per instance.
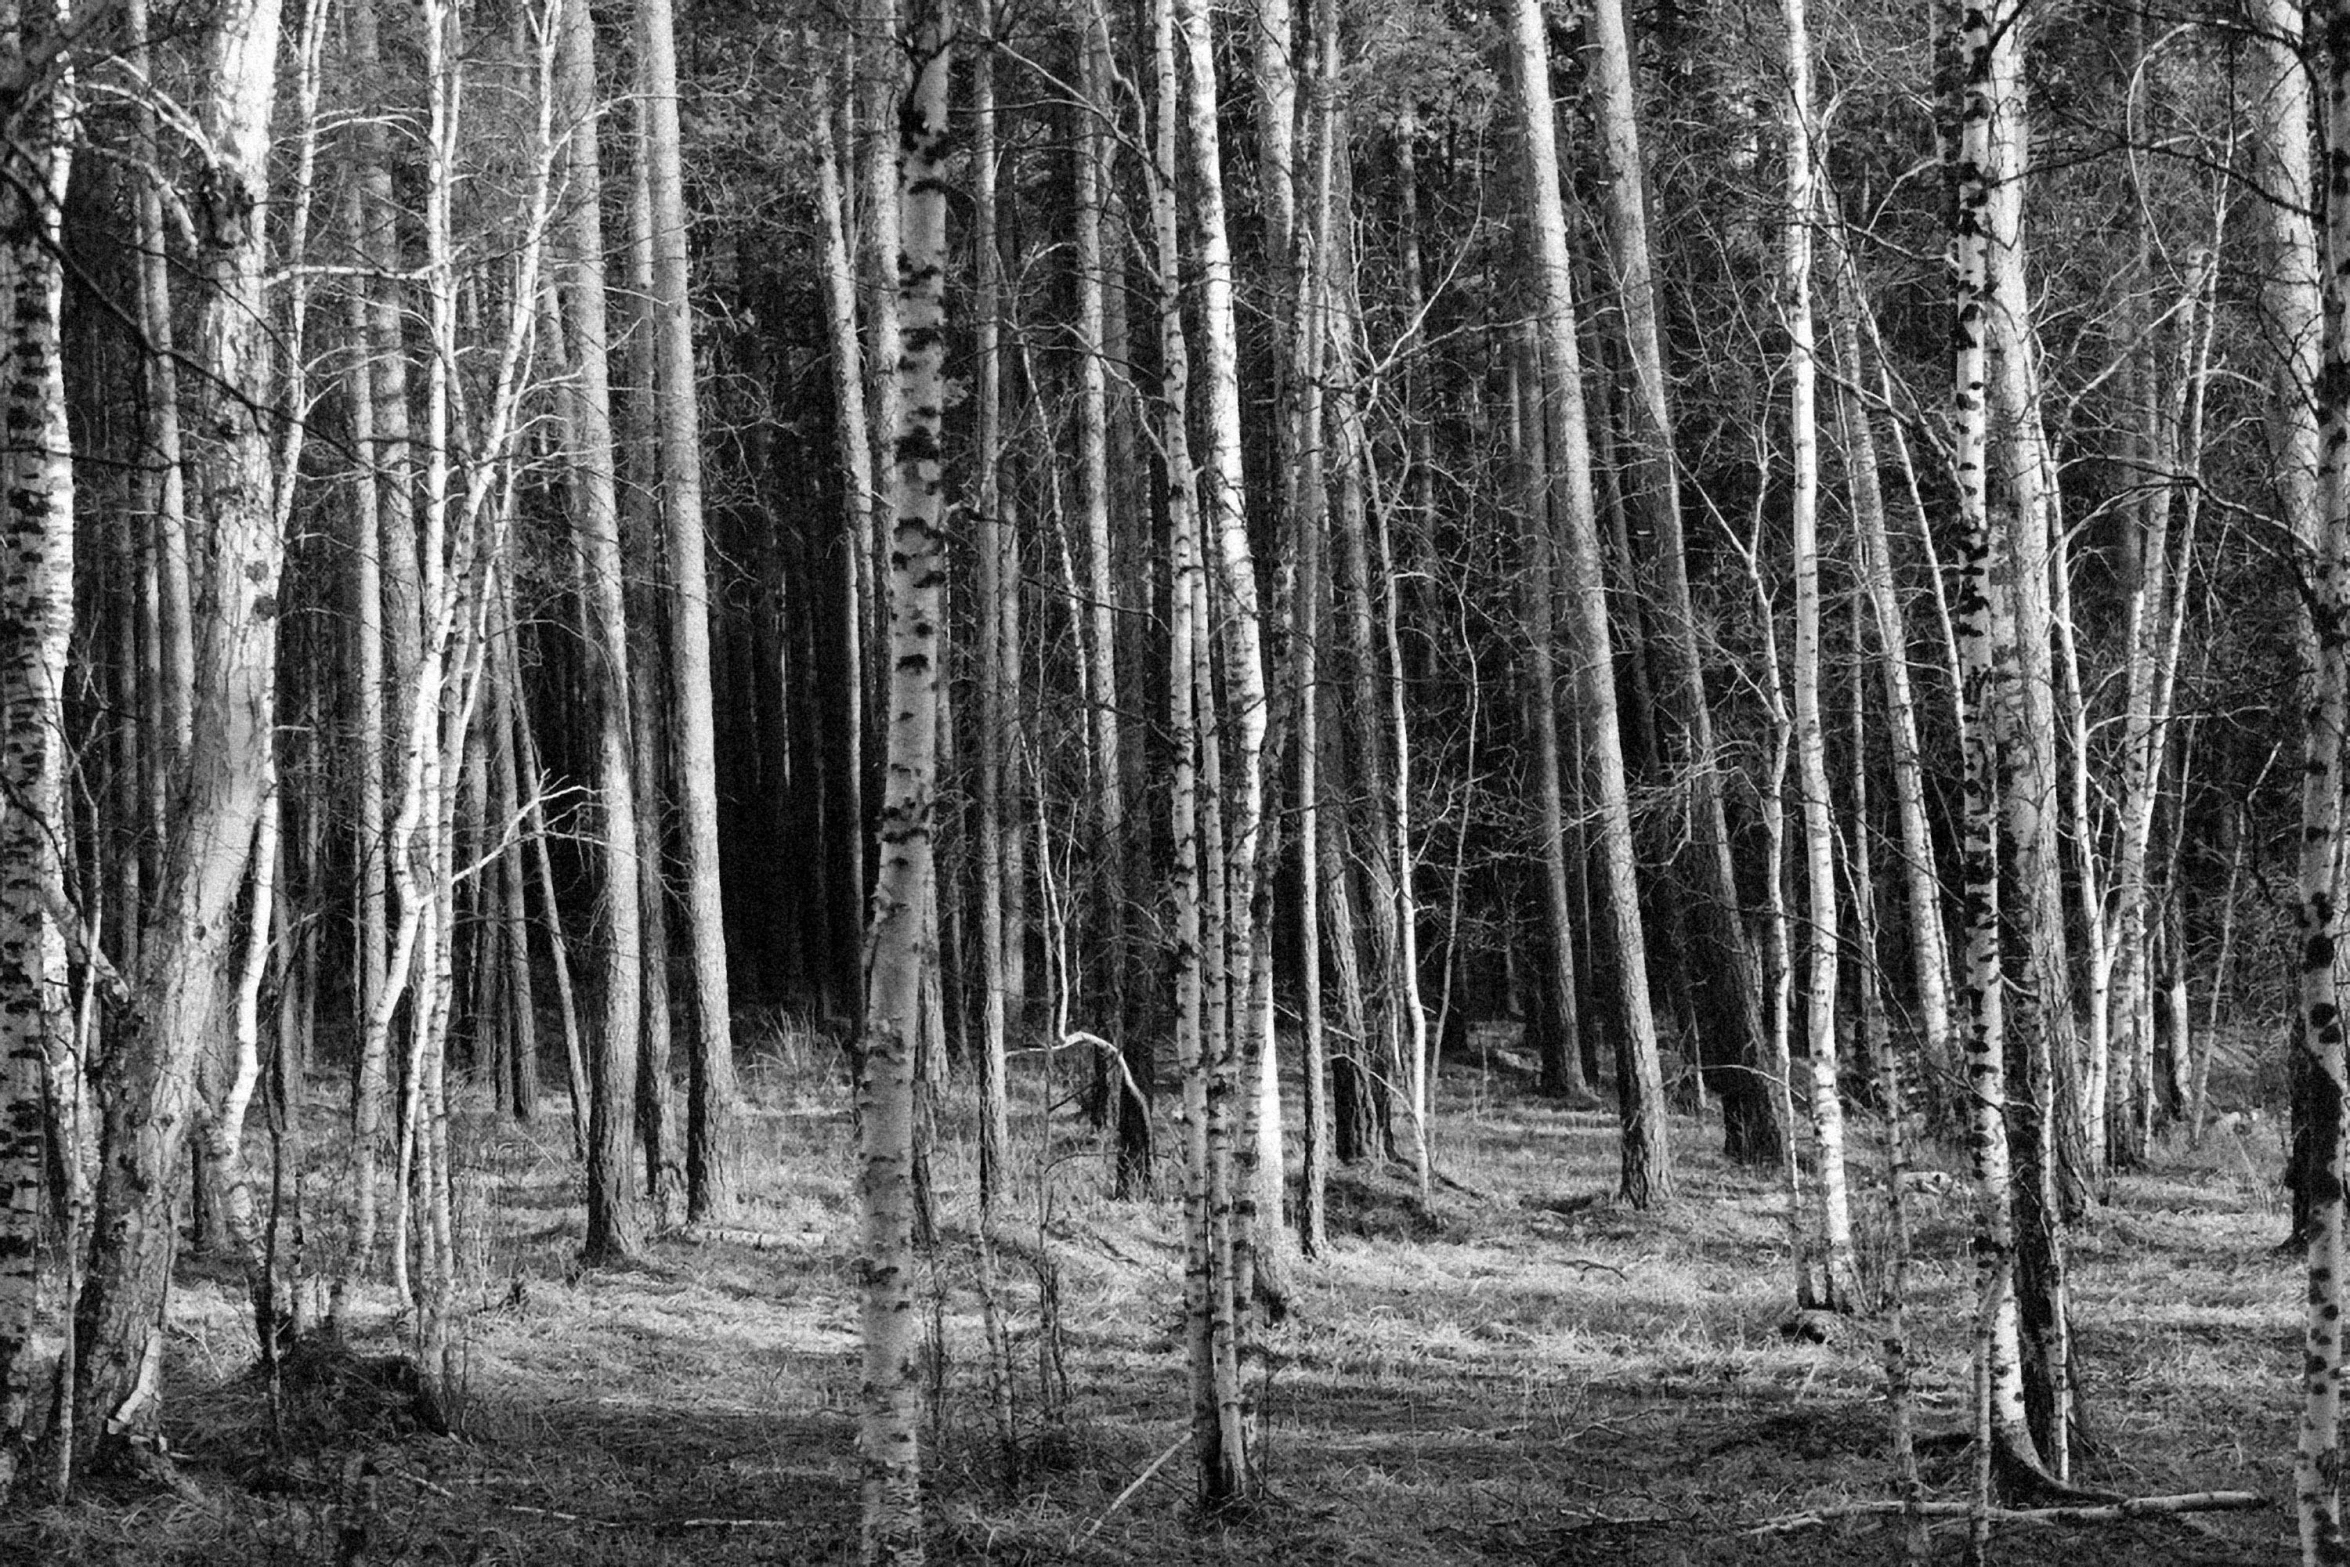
point(1527, 1372)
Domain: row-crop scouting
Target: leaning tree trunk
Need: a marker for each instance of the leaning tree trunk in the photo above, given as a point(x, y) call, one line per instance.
point(1647, 1159)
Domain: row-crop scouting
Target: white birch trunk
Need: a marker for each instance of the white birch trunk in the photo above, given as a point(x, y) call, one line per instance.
point(892, 1471)
point(2326, 575)
point(1840, 1277)
point(36, 608)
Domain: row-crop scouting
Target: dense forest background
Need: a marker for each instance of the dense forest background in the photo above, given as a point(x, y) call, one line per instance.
point(1155, 581)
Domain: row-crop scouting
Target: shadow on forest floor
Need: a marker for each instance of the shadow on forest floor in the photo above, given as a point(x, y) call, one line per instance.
point(1520, 1371)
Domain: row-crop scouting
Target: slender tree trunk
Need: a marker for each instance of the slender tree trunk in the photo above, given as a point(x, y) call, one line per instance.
point(612, 1220)
point(711, 1110)
point(1097, 289)
point(1369, 856)
point(396, 648)
point(521, 1080)
point(2042, 1041)
point(995, 555)
point(1922, 887)
point(2155, 620)
point(1224, 523)
point(1718, 957)
point(1561, 1052)
point(1310, 527)
point(1841, 1277)
point(175, 610)
point(851, 437)
point(1210, 1318)
point(1647, 1160)
point(534, 830)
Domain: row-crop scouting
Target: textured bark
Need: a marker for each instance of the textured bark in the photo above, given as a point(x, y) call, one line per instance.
point(397, 646)
point(175, 606)
point(612, 1220)
point(1274, 44)
point(368, 632)
point(1988, 663)
point(1239, 643)
point(1717, 955)
point(1839, 1283)
point(1921, 886)
point(2326, 595)
point(845, 827)
point(1647, 1160)
point(2041, 1039)
point(36, 621)
point(1310, 608)
point(1560, 1047)
point(183, 986)
point(1116, 861)
point(892, 1473)
point(998, 574)
point(711, 1134)
point(1210, 1318)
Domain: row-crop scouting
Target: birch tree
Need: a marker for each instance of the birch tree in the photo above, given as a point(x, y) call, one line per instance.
point(1210, 1310)
point(2326, 604)
point(36, 620)
point(1224, 526)
point(892, 1474)
point(1986, 631)
point(147, 1083)
point(1839, 1286)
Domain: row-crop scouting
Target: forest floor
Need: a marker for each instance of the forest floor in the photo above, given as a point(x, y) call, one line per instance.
point(1527, 1372)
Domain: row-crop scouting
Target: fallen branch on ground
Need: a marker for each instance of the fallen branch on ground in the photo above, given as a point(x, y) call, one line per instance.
point(1140, 1480)
point(650, 1522)
point(2109, 1512)
point(734, 1235)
